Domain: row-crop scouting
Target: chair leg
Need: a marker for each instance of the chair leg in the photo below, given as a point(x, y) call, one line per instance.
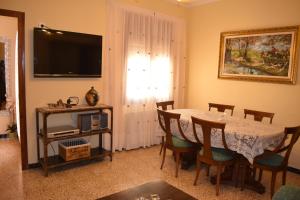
point(177, 163)
point(198, 166)
point(162, 144)
point(164, 156)
point(207, 170)
point(273, 181)
point(260, 175)
point(254, 173)
point(284, 177)
point(219, 170)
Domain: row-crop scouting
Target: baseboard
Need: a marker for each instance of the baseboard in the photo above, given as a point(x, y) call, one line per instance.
point(290, 169)
point(294, 170)
point(34, 165)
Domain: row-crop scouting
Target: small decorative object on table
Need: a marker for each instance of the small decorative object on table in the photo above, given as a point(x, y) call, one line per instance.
point(92, 97)
point(58, 104)
point(73, 101)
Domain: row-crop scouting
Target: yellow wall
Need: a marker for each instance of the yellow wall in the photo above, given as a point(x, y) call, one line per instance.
point(69, 15)
point(205, 25)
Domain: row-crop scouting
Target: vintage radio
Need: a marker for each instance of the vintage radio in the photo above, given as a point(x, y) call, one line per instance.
point(92, 121)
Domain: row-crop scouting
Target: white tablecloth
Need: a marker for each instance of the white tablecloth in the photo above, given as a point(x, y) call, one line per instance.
point(245, 136)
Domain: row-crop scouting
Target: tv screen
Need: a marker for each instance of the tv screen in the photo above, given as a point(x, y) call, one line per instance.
point(66, 54)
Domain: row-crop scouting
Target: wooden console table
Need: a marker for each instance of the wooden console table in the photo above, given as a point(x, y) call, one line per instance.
point(48, 162)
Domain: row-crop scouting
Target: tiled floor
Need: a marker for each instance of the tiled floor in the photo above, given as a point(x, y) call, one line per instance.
point(10, 170)
point(98, 179)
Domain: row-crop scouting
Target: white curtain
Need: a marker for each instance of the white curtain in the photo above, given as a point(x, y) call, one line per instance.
point(144, 64)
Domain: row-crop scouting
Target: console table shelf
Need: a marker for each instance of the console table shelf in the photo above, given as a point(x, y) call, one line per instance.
point(57, 161)
point(48, 162)
point(81, 134)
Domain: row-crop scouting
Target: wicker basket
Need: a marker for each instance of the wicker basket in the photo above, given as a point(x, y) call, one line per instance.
point(74, 149)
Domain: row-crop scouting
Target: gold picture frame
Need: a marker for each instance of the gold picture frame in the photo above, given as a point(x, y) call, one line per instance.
point(268, 55)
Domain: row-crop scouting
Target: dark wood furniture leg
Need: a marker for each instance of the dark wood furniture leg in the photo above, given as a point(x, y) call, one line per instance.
point(244, 177)
point(45, 144)
point(273, 181)
point(232, 175)
point(284, 177)
point(188, 160)
point(111, 134)
point(37, 136)
point(162, 144)
point(100, 142)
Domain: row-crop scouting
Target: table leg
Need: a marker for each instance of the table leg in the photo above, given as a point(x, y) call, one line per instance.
point(244, 177)
point(188, 159)
point(227, 177)
point(239, 175)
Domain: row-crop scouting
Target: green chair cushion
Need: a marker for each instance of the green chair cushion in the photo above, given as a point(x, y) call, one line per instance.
point(180, 143)
point(287, 192)
point(272, 160)
point(220, 154)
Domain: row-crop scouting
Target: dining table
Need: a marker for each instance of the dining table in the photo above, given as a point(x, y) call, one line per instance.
point(247, 137)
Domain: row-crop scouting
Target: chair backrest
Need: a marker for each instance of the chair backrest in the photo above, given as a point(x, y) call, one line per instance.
point(207, 128)
point(221, 107)
point(165, 119)
point(259, 115)
point(163, 105)
point(284, 146)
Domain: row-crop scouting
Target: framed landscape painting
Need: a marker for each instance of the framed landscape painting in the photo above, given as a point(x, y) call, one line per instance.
point(259, 55)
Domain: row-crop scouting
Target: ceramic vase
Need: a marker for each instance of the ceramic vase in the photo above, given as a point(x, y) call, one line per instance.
point(92, 97)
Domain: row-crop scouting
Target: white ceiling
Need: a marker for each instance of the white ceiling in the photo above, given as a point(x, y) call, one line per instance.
point(191, 3)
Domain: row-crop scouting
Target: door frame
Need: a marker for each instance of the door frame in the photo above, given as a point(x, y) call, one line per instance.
point(21, 77)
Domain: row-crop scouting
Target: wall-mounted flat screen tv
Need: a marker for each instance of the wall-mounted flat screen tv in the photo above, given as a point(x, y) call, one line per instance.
point(66, 54)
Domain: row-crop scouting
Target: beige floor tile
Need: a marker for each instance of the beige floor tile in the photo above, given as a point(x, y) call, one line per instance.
point(97, 179)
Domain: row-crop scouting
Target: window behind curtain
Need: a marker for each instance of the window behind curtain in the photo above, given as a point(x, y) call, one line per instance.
point(149, 71)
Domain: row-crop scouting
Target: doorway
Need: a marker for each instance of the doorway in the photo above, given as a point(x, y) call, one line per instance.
point(20, 76)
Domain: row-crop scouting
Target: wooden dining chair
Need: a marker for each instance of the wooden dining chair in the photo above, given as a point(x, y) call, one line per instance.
point(212, 156)
point(276, 161)
point(258, 115)
point(221, 107)
point(164, 105)
point(172, 142)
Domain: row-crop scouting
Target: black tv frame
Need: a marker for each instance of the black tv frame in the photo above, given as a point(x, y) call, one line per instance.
point(38, 75)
